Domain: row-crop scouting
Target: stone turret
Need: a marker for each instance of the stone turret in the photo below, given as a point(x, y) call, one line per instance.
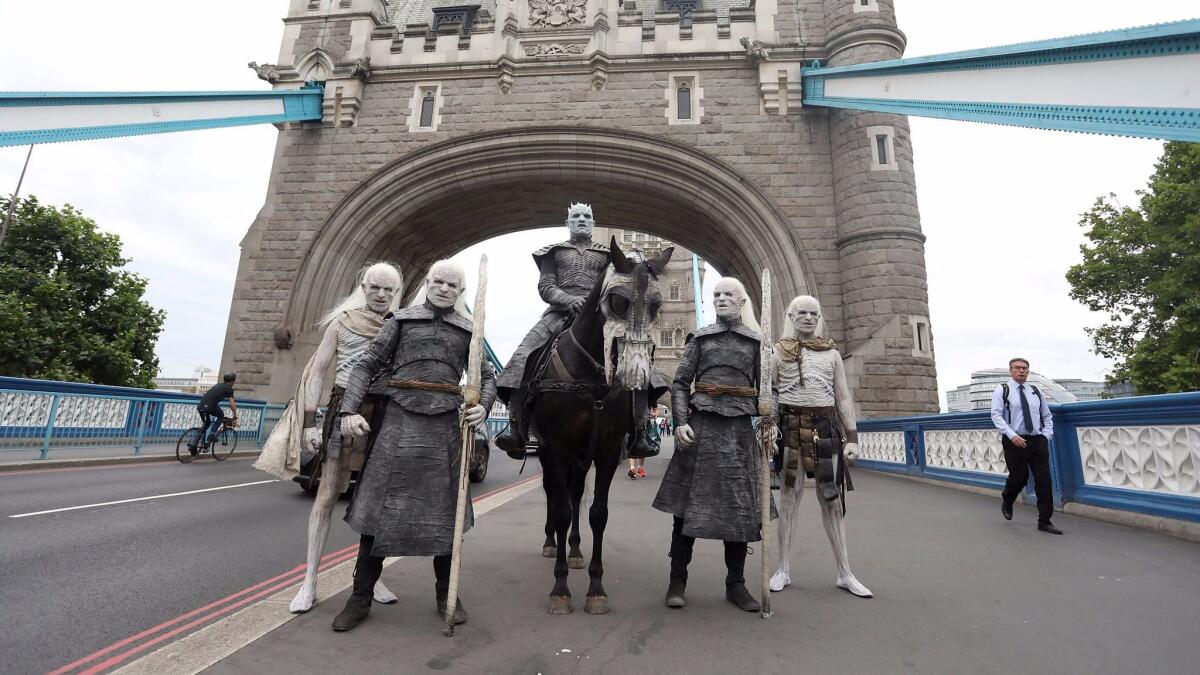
point(885, 306)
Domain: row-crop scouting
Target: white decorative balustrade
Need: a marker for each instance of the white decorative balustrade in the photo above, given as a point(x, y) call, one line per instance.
point(1156, 458)
point(965, 449)
point(881, 446)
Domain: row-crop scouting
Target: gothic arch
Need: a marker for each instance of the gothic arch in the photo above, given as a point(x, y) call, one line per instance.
point(633, 180)
point(316, 65)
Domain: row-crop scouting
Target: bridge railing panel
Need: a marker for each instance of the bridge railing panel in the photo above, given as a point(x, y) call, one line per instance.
point(1136, 454)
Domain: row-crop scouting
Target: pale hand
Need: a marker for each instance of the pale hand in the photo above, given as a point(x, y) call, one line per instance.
point(354, 426)
point(850, 451)
point(684, 435)
point(1018, 441)
point(575, 304)
point(312, 438)
point(474, 415)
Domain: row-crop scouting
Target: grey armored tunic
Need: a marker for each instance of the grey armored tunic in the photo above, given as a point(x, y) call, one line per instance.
point(566, 272)
point(714, 485)
point(406, 496)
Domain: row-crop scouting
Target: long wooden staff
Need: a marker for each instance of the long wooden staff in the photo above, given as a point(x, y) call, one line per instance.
point(471, 395)
point(766, 429)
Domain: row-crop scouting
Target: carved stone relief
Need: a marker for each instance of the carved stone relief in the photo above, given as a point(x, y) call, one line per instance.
point(554, 48)
point(557, 13)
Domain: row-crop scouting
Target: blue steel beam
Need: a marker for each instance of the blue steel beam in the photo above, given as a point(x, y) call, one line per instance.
point(53, 117)
point(1141, 82)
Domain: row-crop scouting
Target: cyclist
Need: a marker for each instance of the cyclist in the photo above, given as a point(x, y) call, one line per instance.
point(210, 409)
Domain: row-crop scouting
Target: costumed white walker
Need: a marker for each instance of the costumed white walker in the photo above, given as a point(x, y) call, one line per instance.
point(296, 440)
point(819, 433)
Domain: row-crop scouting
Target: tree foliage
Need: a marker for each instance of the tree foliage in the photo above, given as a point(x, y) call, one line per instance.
point(1142, 267)
point(67, 309)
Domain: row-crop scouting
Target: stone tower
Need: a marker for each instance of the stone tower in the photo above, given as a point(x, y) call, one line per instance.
point(449, 123)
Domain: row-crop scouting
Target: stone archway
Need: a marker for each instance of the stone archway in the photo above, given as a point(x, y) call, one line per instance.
point(498, 182)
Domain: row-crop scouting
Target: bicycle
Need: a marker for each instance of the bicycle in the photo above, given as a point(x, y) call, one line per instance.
point(222, 446)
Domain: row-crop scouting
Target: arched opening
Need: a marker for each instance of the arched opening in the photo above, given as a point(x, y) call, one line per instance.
point(451, 195)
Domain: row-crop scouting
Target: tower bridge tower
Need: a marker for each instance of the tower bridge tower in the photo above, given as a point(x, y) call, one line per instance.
point(446, 122)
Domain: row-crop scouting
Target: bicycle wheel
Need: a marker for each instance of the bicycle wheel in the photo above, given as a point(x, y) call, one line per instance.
point(183, 452)
point(223, 446)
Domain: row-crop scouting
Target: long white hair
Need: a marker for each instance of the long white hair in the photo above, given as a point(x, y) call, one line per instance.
point(358, 299)
point(748, 319)
point(452, 267)
point(789, 326)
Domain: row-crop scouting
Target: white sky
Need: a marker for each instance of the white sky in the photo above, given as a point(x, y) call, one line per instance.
point(1000, 205)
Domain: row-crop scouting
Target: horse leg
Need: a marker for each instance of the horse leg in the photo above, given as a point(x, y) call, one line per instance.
point(574, 556)
point(560, 509)
point(597, 599)
point(549, 548)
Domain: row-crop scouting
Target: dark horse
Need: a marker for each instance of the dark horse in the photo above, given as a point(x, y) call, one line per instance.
point(585, 406)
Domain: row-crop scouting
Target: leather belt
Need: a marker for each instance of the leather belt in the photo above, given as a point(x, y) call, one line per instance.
point(426, 386)
point(725, 390)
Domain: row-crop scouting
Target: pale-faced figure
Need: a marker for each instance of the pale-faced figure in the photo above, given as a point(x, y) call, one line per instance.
point(380, 289)
point(805, 315)
point(728, 299)
point(443, 286)
point(579, 222)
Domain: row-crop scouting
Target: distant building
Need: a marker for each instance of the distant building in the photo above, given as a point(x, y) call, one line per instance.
point(978, 394)
point(200, 382)
point(1085, 390)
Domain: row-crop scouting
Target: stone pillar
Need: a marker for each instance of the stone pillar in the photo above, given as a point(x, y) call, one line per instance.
point(885, 300)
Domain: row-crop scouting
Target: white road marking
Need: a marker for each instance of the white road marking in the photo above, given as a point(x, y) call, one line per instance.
point(143, 499)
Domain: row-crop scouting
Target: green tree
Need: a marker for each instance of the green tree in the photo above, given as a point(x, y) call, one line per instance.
point(1142, 267)
point(67, 309)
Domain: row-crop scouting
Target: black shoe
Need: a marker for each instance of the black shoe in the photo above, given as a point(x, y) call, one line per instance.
point(641, 448)
point(675, 598)
point(1006, 511)
point(353, 614)
point(739, 596)
point(512, 442)
point(460, 613)
point(1047, 527)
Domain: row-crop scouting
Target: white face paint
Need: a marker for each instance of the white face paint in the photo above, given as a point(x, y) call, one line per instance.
point(443, 287)
point(380, 289)
point(805, 316)
point(579, 221)
point(728, 300)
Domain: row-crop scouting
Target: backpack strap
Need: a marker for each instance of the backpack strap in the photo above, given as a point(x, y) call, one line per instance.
point(1041, 402)
point(1004, 390)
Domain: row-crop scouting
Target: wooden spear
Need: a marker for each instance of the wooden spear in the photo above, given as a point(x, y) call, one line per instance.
point(766, 438)
point(471, 393)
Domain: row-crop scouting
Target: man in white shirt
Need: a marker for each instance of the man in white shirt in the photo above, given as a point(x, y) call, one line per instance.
point(1023, 418)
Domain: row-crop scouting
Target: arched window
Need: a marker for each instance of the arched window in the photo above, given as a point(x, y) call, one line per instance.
point(427, 110)
point(683, 101)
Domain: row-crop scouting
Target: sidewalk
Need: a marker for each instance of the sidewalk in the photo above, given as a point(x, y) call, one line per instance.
point(958, 590)
point(17, 460)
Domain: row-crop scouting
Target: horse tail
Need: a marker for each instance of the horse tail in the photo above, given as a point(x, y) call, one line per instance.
point(589, 490)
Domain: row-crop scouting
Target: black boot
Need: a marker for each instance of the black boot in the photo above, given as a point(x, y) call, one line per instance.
point(681, 557)
point(366, 572)
point(735, 580)
point(441, 572)
point(513, 440)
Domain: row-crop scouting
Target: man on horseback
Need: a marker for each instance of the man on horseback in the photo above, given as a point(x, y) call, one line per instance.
point(568, 271)
point(711, 486)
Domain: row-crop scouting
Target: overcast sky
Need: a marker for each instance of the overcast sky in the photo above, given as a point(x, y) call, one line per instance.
point(999, 205)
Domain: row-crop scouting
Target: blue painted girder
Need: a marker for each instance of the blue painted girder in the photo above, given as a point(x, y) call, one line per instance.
point(1141, 82)
point(52, 117)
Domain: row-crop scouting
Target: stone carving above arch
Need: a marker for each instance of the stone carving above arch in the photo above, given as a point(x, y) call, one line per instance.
point(668, 188)
point(557, 13)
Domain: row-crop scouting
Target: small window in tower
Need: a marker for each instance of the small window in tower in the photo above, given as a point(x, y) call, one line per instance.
point(883, 148)
point(666, 338)
point(641, 237)
point(683, 102)
point(881, 152)
point(866, 5)
point(628, 236)
point(674, 291)
point(427, 110)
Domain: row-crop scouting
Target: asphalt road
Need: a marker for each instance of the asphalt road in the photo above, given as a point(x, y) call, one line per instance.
point(76, 581)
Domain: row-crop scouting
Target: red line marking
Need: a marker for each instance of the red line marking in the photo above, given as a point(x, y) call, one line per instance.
point(294, 575)
point(183, 617)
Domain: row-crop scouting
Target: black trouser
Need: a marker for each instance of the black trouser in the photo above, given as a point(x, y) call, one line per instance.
point(681, 556)
point(1035, 456)
point(368, 568)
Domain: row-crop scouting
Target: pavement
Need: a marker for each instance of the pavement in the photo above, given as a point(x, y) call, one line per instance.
point(30, 458)
point(113, 560)
point(957, 590)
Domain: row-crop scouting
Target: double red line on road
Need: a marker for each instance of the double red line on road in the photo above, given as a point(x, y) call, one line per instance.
point(122, 650)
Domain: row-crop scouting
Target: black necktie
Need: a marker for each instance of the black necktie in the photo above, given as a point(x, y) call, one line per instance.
point(1025, 416)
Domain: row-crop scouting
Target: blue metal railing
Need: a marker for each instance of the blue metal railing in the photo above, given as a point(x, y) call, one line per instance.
point(41, 416)
point(1133, 454)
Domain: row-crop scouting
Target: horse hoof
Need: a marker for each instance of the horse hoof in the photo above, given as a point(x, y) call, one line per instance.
point(597, 605)
point(560, 604)
point(575, 563)
point(549, 551)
